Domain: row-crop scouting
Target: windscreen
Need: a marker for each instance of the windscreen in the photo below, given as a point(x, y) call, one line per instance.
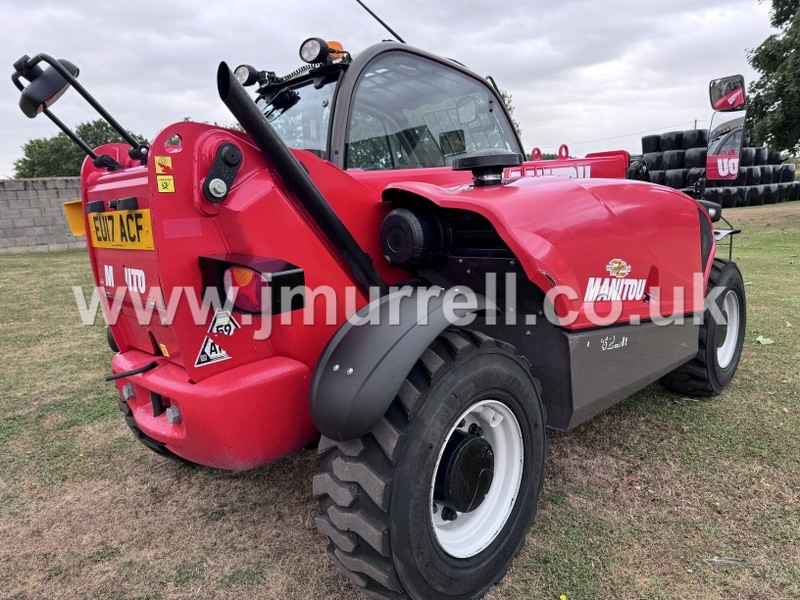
point(300, 115)
point(411, 112)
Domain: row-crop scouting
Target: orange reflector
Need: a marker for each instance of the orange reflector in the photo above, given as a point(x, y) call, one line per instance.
point(241, 276)
point(248, 287)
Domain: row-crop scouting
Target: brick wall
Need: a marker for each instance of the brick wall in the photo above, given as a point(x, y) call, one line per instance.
point(31, 215)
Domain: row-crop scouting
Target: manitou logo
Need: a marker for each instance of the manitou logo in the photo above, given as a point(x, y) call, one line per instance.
point(615, 287)
point(618, 268)
point(728, 167)
point(605, 288)
point(134, 279)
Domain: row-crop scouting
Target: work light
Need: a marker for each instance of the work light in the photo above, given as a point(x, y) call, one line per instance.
point(314, 50)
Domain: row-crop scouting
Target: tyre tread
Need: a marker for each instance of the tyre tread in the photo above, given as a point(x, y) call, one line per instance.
point(691, 378)
point(360, 542)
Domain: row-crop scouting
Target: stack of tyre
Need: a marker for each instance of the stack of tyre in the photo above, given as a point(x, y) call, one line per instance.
point(762, 179)
point(677, 159)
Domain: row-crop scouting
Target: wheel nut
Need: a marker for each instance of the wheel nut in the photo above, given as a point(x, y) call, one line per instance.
point(128, 392)
point(475, 429)
point(448, 514)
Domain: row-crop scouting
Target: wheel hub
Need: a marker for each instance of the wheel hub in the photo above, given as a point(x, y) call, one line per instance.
point(465, 472)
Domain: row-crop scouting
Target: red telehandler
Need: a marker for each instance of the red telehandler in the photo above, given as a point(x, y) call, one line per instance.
point(370, 263)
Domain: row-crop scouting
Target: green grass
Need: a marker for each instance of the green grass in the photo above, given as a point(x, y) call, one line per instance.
point(636, 503)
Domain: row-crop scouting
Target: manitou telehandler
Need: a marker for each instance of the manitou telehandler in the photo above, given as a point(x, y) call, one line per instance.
point(372, 261)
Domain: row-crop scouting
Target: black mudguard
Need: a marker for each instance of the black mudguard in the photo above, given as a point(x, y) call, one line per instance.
point(366, 361)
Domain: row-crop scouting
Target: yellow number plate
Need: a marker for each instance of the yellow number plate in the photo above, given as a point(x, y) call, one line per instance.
point(123, 230)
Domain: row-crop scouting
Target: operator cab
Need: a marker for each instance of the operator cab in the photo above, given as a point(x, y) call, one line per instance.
point(391, 107)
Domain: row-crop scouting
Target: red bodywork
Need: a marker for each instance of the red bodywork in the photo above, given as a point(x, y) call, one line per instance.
point(252, 408)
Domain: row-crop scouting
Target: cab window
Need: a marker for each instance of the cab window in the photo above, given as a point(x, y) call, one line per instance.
point(409, 112)
point(300, 115)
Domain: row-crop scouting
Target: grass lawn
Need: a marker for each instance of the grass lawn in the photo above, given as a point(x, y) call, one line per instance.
point(637, 504)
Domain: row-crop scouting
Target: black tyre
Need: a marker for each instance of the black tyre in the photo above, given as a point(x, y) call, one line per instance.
point(728, 197)
point(756, 195)
point(787, 172)
point(762, 155)
point(795, 191)
point(112, 343)
point(672, 159)
point(774, 157)
point(399, 525)
point(675, 178)
point(748, 157)
point(714, 195)
point(653, 161)
point(753, 175)
point(771, 193)
point(693, 175)
point(651, 143)
point(721, 336)
point(741, 176)
point(766, 174)
point(657, 177)
point(695, 158)
point(694, 138)
point(784, 190)
point(148, 442)
point(744, 198)
point(739, 197)
point(672, 141)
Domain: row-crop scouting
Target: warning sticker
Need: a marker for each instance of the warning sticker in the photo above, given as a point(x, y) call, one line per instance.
point(166, 183)
point(163, 165)
point(223, 323)
point(210, 352)
point(164, 350)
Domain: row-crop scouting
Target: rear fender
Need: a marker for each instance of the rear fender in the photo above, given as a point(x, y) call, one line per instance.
point(367, 360)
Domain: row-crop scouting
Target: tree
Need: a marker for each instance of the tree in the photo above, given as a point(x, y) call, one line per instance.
point(775, 97)
point(510, 107)
point(58, 156)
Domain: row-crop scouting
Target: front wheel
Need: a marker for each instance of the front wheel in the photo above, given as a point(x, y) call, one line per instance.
point(721, 336)
point(435, 501)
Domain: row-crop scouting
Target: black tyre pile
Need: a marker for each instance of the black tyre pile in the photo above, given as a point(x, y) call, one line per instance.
point(678, 159)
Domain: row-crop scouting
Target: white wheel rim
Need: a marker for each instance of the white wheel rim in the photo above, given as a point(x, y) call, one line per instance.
point(730, 308)
point(472, 532)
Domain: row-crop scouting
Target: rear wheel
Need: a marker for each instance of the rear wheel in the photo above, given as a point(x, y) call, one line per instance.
point(721, 336)
point(435, 501)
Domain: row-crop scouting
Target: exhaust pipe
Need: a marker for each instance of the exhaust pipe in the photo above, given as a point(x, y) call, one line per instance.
point(242, 106)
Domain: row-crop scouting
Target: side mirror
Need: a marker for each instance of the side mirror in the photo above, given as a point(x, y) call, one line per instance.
point(727, 93)
point(726, 134)
point(46, 85)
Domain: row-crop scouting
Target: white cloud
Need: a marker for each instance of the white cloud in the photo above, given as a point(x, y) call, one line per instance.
point(579, 70)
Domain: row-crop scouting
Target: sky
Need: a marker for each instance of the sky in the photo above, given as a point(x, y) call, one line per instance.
point(595, 74)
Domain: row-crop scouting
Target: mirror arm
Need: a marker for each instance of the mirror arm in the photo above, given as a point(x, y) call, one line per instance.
point(137, 152)
point(69, 133)
point(103, 160)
